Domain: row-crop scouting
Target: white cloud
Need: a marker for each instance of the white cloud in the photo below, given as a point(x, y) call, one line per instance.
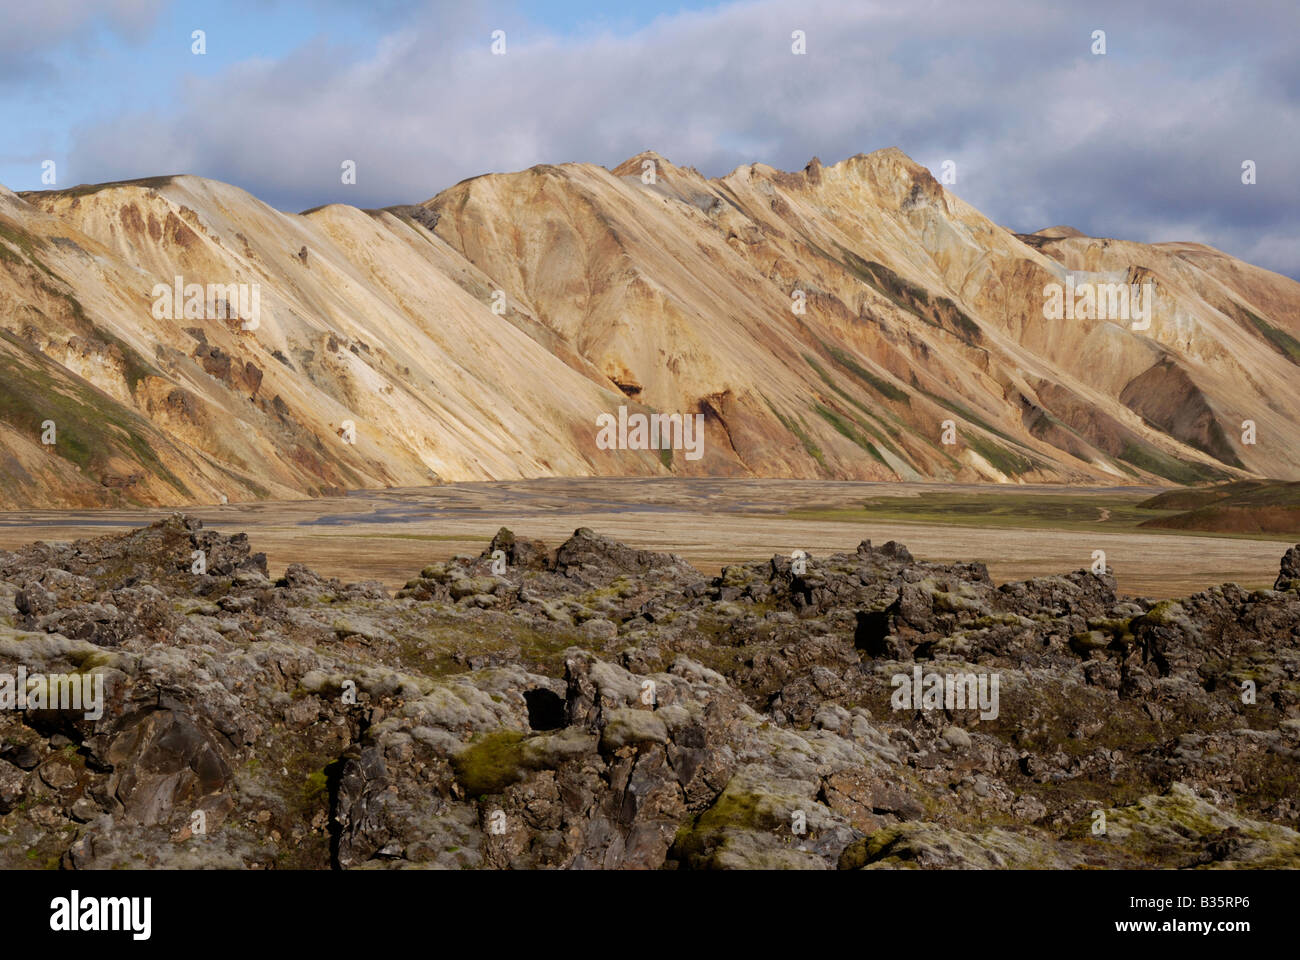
point(1043, 132)
point(30, 27)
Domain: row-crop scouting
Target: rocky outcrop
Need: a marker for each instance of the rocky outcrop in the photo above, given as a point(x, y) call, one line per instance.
point(602, 707)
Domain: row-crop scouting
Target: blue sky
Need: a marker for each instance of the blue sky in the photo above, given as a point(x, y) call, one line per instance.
point(1144, 143)
point(141, 59)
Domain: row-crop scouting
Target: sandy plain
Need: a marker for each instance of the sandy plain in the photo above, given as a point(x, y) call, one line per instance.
point(389, 535)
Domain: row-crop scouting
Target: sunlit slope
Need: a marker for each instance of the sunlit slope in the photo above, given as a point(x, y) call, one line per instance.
point(838, 322)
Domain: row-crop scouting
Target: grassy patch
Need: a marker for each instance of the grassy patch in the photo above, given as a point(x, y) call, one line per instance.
point(846, 428)
point(92, 428)
point(801, 432)
point(879, 384)
point(1163, 465)
point(999, 509)
point(1281, 341)
point(1125, 512)
point(1267, 507)
point(88, 189)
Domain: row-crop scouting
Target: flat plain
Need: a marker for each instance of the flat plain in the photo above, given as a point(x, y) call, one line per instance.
point(1019, 531)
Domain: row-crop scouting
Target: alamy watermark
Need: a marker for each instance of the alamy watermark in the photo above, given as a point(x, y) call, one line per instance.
point(1100, 301)
point(75, 913)
point(216, 301)
point(654, 431)
point(951, 691)
point(53, 691)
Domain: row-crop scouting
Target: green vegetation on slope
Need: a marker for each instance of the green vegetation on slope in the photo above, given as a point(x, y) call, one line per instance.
point(871, 429)
point(1008, 461)
point(91, 426)
point(1281, 341)
point(88, 189)
point(801, 432)
point(942, 313)
point(1269, 507)
point(880, 385)
point(845, 428)
point(1148, 458)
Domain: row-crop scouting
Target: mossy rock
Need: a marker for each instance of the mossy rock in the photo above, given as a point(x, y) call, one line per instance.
point(628, 727)
point(1090, 640)
point(496, 760)
point(1166, 613)
point(748, 827)
point(1177, 823)
point(491, 763)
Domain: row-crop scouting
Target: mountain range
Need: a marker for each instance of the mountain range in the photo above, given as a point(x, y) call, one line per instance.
point(850, 321)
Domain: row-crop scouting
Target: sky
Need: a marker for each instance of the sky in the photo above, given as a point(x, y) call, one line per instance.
point(1145, 141)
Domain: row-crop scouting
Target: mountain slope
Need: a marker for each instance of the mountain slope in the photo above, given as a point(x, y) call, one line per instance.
point(826, 323)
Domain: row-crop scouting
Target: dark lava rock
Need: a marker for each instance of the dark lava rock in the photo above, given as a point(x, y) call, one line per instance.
point(604, 707)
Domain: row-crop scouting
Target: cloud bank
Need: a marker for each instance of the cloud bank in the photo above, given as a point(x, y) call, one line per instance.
point(1145, 142)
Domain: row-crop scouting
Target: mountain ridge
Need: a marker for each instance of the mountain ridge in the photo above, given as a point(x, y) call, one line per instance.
point(480, 333)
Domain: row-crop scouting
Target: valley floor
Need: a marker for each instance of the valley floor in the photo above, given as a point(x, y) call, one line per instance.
point(1019, 532)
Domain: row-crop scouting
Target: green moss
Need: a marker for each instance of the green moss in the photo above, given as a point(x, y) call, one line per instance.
point(735, 809)
point(801, 432)
point(1091, 640)
point(433, 643)
point(1280, 340)
point(879, 384)
point(855, 856)
point(491, 763)
point(844, 427)
point(1164, 613)
point(1119, 629)
point(316, 788)
point(1154, 461)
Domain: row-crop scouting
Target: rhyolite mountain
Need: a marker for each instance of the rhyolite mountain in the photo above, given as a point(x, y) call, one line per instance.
point(826, 323)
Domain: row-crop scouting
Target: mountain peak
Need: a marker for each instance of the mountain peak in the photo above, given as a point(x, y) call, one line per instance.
point(88, 189)
point(1058, 232)
point(634, 165)
point(886, 163)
